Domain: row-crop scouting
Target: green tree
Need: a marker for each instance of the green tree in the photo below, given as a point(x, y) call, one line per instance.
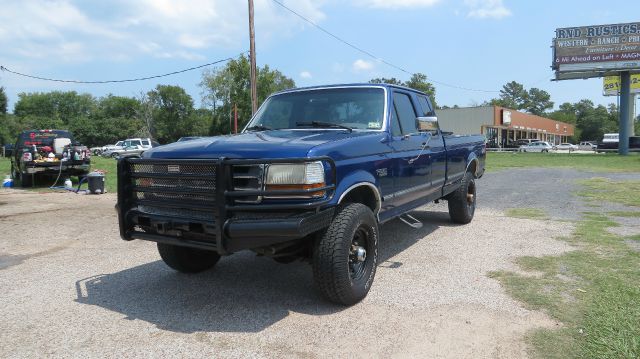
point(172, 111)
point(10, 126)
point(593, 121)
point(538, 101)
point(417, 81)
point(384, 80)
point(58, 106)
point(3, 101)
point(114, 118)
point(512, 95)
point(229, 86)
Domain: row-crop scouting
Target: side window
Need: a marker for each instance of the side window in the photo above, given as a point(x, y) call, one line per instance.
point(427, 110)
point(406, 113)
point(145, 142)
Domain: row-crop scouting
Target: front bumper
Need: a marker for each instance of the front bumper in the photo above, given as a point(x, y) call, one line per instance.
point(238, 234)
point(152, 205)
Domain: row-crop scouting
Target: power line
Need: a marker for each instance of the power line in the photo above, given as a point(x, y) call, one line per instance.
point(117, 81)
point(359, 49)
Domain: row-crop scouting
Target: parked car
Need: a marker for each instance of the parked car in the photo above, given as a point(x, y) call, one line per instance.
point(128, 151)
point(539, 146)
point(131, 147)
point(566, 146)
point(587, 146)
point(117, 146)
point(145, 143)
point(525, 141)
point(48, 152)
point(311, 182)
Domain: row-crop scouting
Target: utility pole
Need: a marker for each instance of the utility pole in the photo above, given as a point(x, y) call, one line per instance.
point(252, 55)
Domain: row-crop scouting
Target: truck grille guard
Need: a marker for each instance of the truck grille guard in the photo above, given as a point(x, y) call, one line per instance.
point(192, 200)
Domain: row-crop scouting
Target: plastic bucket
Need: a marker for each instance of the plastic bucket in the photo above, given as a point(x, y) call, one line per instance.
point(96, 182)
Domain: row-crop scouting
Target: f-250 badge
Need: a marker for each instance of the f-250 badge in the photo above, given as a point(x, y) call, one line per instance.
point(382, 172)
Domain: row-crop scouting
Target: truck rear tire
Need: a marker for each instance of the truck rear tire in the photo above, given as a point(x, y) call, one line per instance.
point(462, 202)
point(345, 257)
point(186, 259)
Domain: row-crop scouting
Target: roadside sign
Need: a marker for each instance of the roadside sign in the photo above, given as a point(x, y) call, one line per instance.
point(596, 50)
point(611, 85)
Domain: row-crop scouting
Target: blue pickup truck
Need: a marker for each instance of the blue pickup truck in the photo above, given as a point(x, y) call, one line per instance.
point(311, 177)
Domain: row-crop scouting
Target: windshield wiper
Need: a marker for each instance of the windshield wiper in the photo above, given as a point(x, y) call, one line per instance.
point(258, 128)
point(324, 124)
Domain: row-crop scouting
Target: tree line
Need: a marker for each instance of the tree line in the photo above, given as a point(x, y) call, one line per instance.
point(167, 112)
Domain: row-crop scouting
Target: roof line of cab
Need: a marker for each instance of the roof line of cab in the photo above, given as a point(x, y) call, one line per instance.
point(349, 85)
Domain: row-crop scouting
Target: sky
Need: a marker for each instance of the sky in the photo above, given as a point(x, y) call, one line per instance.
point(468, 48)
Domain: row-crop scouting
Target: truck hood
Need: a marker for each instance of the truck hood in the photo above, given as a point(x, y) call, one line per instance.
point(265, 144)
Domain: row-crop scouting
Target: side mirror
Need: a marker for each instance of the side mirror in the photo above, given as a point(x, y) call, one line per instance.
point(427, 123)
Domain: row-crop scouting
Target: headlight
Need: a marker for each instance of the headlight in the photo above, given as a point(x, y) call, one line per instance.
point(296, 176)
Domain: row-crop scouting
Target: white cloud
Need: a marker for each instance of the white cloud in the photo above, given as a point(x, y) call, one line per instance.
point(483, 9)
point(362, 65)
point(306, 75)
point(397, 4)
point(73, 30)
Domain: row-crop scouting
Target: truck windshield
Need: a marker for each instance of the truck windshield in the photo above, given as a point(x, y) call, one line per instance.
point(355, 107)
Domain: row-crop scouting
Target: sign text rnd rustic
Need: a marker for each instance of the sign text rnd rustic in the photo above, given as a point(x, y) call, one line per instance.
point(595, 51)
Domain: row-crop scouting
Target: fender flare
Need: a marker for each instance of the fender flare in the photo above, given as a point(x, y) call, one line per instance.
point(355, 180)
point(473, 158)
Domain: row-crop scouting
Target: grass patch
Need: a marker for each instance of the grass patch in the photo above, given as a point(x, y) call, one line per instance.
point(605, 190)
point(5, 166)
point(625, 214)
point(606, 162)
point(108, 165)
point(593, 290)
point(526, 213)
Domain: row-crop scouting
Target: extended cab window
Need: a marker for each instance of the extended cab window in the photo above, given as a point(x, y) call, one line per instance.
point(406, 113)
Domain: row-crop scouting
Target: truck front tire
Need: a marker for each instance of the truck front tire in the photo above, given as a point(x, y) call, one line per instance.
point(462, 202)
point(186, 259)
point(346, 256)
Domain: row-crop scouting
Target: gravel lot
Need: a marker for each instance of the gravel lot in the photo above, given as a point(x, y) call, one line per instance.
point(69, 287)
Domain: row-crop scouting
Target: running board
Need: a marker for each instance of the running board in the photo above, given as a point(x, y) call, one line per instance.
point(410, 221)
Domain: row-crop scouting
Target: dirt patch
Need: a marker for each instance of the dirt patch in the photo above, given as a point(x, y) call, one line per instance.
point(71, 280)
